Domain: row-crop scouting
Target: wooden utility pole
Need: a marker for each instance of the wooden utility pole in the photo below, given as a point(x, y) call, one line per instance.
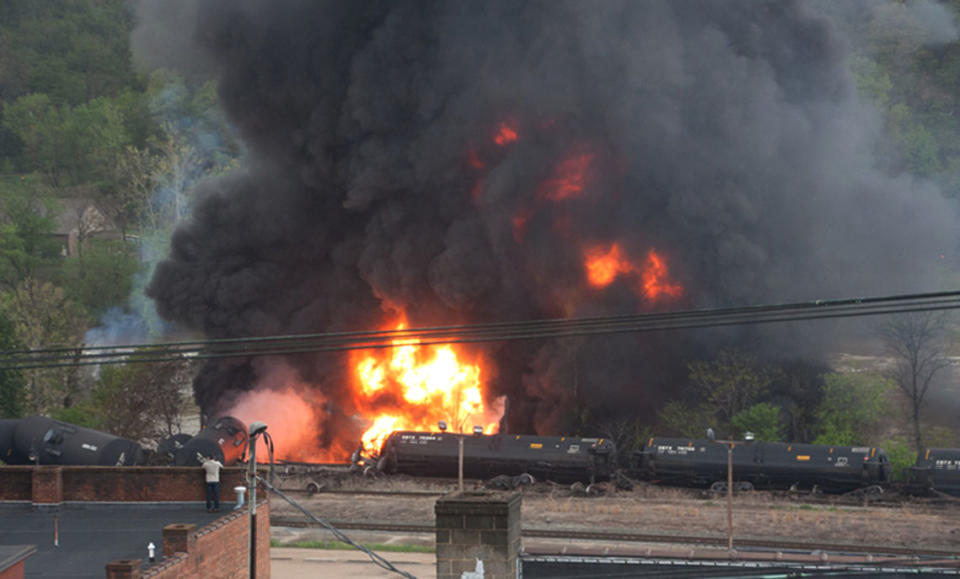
point(748, 437)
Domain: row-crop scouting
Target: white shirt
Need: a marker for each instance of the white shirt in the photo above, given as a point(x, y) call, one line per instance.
point(212, 468)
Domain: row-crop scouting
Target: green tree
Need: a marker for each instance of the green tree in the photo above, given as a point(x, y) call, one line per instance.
point(853, 408)
point(680, 419)
point(44, 317)
point(102, 278)
point(95, 133)
point(11, 381)
point(26, 243)
point(42, 128)
point(762, 419)
point(902, 456)
point(732, 382)
point(73, 51)
point(141, 401)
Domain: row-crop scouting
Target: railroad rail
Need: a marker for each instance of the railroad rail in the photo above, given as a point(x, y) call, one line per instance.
point(708, 540)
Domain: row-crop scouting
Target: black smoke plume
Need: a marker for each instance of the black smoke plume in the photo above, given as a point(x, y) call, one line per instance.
point(727, 136)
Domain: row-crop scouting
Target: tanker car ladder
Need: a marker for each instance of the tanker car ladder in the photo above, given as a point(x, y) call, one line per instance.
point(377, 559)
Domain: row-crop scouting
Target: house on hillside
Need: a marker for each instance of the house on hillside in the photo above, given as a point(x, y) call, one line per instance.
point(78, 220)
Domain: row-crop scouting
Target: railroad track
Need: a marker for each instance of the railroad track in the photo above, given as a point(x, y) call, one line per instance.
point(718, 541)
point(364, 492)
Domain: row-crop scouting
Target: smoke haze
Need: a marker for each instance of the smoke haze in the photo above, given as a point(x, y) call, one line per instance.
point(725, 136)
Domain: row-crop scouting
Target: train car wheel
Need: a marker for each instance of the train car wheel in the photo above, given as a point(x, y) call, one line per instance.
point(592, 491)
point(525, 479)
point(745, 486)
point(313, 487)
point(577, 488)
point(719, 487)
point(370, 471)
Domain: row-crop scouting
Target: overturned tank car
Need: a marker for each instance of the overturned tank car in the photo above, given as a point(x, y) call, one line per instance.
point(224, 438)
point(41, 440)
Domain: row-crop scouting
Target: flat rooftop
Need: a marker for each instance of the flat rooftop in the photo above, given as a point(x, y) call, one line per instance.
point(93, 534)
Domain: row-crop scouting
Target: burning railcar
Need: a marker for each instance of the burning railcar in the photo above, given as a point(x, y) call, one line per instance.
point(225, 439)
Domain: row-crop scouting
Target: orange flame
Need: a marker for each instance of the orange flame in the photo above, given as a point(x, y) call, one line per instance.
point(505, 135)
point(473, 159)
point(654, 277)
point(412, 387)
point(604, 264)
point(568, 180)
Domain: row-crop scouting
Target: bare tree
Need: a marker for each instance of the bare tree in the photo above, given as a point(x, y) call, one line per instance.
point(142, 401)
point(917, 342)
point(732, 382)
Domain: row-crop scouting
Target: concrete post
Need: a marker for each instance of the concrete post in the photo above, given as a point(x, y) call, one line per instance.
point(478, 530)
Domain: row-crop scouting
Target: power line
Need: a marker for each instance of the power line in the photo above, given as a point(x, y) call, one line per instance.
point(340, 535)
point(478, 333)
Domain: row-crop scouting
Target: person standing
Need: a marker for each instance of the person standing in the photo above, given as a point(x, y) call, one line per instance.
point(212, 467)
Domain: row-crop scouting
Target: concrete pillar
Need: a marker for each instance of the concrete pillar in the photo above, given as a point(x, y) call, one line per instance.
point(179, 538)
point(47, 487)
point(124, 569)
point(478, 528)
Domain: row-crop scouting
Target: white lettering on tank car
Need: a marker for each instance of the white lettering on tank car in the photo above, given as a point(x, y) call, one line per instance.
point(574, 449)
point(860, 449)
point(681, 450)
point(946, 464)
point(90, 447)
point(418, 438)
point(841, 461)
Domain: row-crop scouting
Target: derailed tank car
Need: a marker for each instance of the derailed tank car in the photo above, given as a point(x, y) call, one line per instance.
point(225, 439)
point(560, 459)
point(771, 465)
point(938, 469)
point(7, 453)
point(41, 440)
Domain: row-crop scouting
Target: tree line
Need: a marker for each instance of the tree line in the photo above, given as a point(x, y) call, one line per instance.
point(77, 120)
point(80, 127)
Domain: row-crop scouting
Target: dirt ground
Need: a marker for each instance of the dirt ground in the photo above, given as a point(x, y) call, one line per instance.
point(919, 523)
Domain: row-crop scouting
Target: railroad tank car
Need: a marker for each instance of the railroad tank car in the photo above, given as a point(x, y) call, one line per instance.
point(42, 440)
point(938, 469)
point(555, 458)
point(772, 465)
point(224, 438)
point(7, 453)
point(168, 448)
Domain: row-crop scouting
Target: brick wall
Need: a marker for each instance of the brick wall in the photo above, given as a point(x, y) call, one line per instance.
point(51, 485)
point(474, 527)
point(216, 551)
point(16, 483)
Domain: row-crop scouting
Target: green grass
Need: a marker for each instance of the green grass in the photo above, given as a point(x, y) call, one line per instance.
point(339, 545)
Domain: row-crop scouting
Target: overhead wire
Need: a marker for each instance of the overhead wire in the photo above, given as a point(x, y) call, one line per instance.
point(477, 333)
point(340, 535)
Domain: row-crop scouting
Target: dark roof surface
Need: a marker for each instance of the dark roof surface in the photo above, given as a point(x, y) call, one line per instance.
point(90, 536)
point(10, 555)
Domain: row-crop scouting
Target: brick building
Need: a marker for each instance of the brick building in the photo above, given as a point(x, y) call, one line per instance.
point(98, 522)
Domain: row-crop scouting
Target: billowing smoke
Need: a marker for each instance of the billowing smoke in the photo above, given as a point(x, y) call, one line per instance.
point(456, 161)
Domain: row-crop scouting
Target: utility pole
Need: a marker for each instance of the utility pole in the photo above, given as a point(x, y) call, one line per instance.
point(747, 438)
point(256, 429)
